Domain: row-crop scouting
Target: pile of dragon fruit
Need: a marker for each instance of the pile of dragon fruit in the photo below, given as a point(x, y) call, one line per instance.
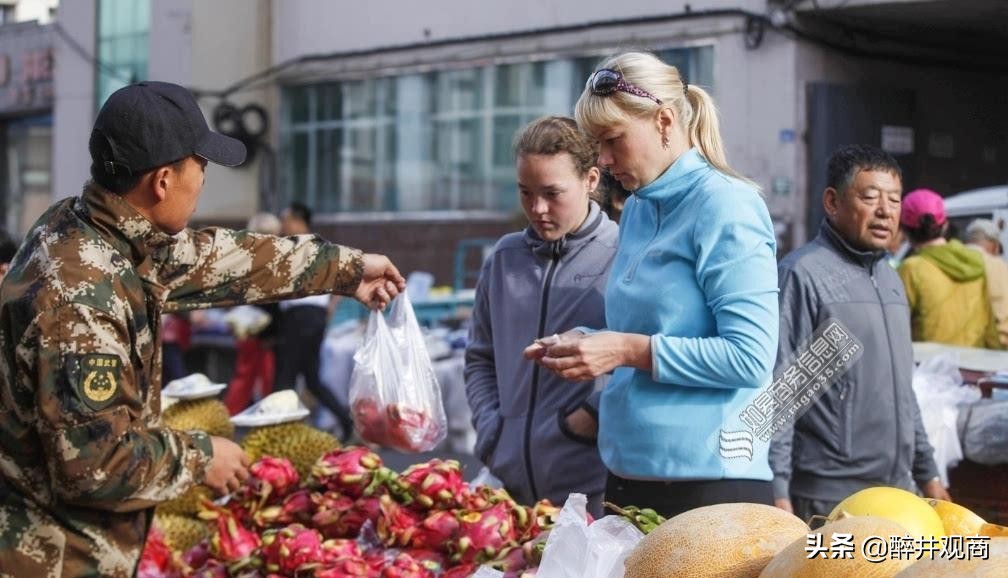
point(354, 517)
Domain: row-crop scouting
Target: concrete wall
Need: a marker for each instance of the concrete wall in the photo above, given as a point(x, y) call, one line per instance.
point(74, 108)
point(208, 46)
point(327, 26)
point(219, 60)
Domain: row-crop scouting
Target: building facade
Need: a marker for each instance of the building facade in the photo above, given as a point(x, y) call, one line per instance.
point(394, 120)
point(26, 101)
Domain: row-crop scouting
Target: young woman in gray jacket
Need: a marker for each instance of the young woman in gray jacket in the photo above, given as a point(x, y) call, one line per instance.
point(534, 430)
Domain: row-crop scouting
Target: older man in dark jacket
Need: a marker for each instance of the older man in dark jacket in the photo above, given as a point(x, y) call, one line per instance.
point(865, 429)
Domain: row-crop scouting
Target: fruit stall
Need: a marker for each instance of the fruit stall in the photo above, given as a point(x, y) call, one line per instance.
point(978, 478)
point(314, 508)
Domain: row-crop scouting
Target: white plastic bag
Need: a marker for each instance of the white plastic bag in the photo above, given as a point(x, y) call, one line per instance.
point(394, 394)
point(984, 430)
point(576, 550)
point(486, 478)
point(937, 384)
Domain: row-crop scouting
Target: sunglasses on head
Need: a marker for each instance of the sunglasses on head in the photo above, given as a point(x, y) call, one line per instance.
point(606, 81)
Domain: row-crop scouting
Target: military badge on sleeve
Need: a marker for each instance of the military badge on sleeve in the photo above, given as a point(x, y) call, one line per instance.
point(98, 380)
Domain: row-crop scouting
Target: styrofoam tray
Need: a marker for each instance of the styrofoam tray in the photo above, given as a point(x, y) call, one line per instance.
point(261, 419)
point(260, 413)
point(193, 386)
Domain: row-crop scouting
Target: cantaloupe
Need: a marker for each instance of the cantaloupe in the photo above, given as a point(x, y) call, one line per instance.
point(993, 530)
point(906, 509)
point(794, 561)
point(957, 520)
point(995, 566)
point(724, 541)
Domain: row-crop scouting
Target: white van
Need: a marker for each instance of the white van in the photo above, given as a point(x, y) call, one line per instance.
point(986, 203)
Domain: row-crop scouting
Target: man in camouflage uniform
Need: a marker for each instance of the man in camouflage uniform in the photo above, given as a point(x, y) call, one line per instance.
point(83, 457)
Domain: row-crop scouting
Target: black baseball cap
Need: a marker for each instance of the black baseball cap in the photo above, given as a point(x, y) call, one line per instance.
point(150, 124)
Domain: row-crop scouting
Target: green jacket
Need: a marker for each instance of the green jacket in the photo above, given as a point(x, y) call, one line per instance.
point(947, 292)
point(83, 455)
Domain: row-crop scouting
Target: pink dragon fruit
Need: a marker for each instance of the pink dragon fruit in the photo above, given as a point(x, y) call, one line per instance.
point(231, 542)
point(354, 471)
point(511, 560)
point(212, 569)
point(270, 480)
point(277, 473)
point(436, 531)
point(291, 549)
point(197, 556)
point(330, 508)
point(378, 558)
point(533, 550)
point(479, 498)
point(344, 518)
point(405, 566)
point(157, 559)
point(396, 523)
point(483, 536)
point(541, 517)
point(463, 571)
point(339, 549)
point(347, 568)
point(434, 484)
point(428, 559)
point(296, 508)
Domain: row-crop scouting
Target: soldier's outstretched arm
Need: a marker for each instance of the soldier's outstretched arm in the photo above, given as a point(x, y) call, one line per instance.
point(98, 447)
point(219, 267)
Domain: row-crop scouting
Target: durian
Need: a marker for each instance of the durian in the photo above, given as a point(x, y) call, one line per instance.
point(181, 532)
point(188, 504)
point(302, 444)
point(205, 414)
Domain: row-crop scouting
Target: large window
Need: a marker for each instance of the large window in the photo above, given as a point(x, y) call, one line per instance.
point(27, 190)
point(123, 46)
point(438, 141)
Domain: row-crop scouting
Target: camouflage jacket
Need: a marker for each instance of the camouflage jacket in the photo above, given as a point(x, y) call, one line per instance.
point(83, 457)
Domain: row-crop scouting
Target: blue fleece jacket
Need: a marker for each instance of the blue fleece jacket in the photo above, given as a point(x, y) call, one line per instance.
point(696, 271)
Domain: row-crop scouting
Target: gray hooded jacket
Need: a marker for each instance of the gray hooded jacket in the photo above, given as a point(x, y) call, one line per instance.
point(866, 429)
point(530, 288)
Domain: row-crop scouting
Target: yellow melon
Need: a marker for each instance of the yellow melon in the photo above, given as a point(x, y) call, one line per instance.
point(724, 540)
point(993, 530)
point(995, 566)
point(794, 561)
point(957, 520)
point(900, 506)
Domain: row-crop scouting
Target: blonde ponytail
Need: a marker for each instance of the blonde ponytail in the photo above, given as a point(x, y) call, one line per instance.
point(704, 130)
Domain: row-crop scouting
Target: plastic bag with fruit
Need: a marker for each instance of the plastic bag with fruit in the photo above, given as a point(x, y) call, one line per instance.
point(394, 394)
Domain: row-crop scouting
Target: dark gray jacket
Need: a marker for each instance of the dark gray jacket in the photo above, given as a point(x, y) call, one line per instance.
point(527, 289)
point(866, 429)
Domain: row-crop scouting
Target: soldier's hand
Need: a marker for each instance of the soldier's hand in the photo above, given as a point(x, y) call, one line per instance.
point(381, 282)
point(228, 467)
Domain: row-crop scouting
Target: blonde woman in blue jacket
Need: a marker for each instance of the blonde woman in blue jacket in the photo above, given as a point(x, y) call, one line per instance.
point(691, 300)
